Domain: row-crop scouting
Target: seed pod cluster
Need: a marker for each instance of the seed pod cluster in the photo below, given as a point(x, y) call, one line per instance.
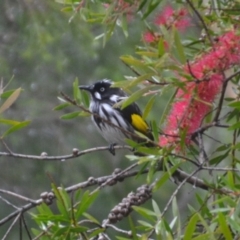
point(123, 209)
point(47, 197)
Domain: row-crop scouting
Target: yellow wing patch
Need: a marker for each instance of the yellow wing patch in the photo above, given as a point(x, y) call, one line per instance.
point(139, 124)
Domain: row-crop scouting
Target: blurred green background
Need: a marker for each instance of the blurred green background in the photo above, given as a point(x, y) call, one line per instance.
point(45, 53)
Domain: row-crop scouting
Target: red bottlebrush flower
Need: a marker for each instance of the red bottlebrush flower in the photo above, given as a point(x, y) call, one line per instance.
point(149, 37)
point(153, 37)
point(170, 17)
point(194, 102)
point(164, 16)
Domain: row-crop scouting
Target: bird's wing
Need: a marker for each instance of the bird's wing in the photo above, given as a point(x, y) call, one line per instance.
point(133, 115)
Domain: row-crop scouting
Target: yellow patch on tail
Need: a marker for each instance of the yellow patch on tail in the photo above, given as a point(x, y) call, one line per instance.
point(139, 124)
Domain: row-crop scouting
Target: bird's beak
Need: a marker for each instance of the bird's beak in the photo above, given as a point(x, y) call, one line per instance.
point(86, 87)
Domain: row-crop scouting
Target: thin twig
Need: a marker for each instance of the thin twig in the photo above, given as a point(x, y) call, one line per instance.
point(220, 169)
point(224, 87)
point(181, 175)
point(8, 203)
point(201, 20)
point(176, 191)
point(25, 226)
point(11, 226)
point(44, 157)
point(17, 195)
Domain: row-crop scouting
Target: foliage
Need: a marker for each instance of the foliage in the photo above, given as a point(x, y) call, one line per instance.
point(185, 60)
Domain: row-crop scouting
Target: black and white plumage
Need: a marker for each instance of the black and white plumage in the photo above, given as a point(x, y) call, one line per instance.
point(103, 98)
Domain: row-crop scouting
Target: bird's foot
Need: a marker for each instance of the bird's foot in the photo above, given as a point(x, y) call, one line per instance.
point(112, 149)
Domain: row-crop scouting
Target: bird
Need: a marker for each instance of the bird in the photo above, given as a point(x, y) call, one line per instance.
point(115, 124)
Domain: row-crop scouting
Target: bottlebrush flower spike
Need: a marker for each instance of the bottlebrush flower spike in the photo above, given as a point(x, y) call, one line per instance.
point(194, 102)
point(150, 37)
point(170, 17)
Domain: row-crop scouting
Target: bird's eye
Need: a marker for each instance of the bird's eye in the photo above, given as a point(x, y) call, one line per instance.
point(102, 89)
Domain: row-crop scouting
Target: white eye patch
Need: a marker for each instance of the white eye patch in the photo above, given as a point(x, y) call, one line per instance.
point(97, 95)
point(114, 98)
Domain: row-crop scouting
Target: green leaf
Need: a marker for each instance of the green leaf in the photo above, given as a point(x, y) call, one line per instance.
point(235, 104)
point(131, 82)
point(165, 177)
point(70, 115)
point(134, 97)
point(151, 172)
point(76, 91)
point(204, 223)
point(85, 98)
point(219, 158)
point(124, 25)
point(234, 126)
point(148, 54)
point(132, 61)
point(151, 7)
point(225, 147)
point(91, 218)
point(61, 202)
point(16, 128)
point(6, 94)
point(8, 122)
point(62, 106)
point(148, 107)
point(133, 228)
point(230, 178)
point(156, 209)
point(86, 201)
point(96, 232)
point(61, 231)
point(146, 224)
point(44, 209)
point(84, 114)
point(179, 47)
point(142, 4)
point(12, 98)
point(155, 130)
point(224, 226)
point(167, 109)
point(175, 209)
point(161, 47)
point(190, 227)
point(145, 213)
point(67, 9)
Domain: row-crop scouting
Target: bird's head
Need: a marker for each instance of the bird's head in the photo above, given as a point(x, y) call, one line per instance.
point(102, 90)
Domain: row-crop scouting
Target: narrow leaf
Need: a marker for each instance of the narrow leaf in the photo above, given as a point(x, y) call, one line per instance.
point(234, 126)
point(133, 228)
point(148, 107)
point(13, 97)
point(224, 226)
point(86, 201)
point(76, 91)
point(190, 227)
point(179, 47)
point(61, 106)
point(8, 122)
point(134, 97)
point(165, 177)
point(16, 128)
point(70, 115)
point(6, 94)
point(150, 215)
